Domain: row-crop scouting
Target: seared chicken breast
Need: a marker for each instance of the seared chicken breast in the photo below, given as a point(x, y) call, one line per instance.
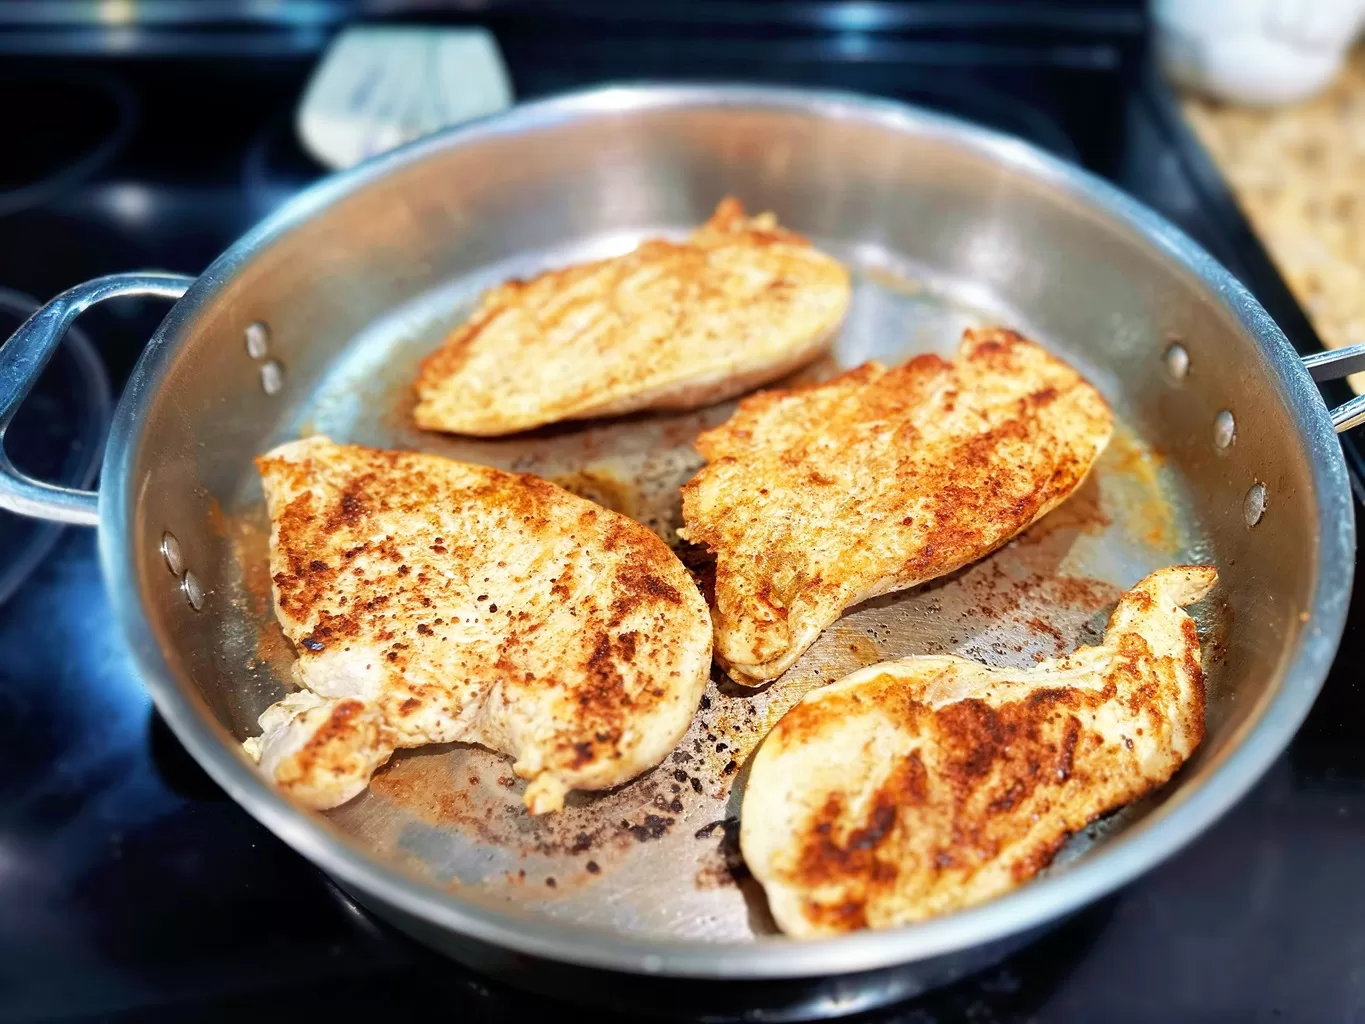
point(432, 601)
point(667, 326)
point(921, 786)
point(815, 499)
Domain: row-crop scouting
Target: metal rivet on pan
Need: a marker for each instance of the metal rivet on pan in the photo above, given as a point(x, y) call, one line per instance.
point(1224, 429)
point(194, 593)
point(1177, 361)
point(257, 340)
point(1253, 505)
point(170, 550)
point(272, 377)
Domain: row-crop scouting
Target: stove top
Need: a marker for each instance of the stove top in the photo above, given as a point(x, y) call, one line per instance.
point(132, 888)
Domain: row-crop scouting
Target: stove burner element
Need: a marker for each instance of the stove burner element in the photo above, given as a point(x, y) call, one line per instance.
point(96, 114)
point(57, 436)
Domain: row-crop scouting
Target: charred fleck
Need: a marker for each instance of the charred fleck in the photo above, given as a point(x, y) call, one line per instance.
point(653, 827)
point(706, 830)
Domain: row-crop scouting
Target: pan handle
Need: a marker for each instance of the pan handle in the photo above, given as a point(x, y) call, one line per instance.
point(22, 359)
point(1332, 365)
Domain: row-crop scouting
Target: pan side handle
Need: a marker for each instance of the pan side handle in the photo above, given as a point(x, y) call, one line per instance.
point(22, 359)
point(1331, 365)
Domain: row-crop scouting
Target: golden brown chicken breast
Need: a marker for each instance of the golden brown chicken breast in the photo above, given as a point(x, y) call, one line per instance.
point(433, 601)
point(667, 326)
point(921, 786)
point(817, 498)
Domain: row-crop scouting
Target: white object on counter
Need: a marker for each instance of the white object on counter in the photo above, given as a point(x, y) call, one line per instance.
point(1257, 52)
point(377, 88)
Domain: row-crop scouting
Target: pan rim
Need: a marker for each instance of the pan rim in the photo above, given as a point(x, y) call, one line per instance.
point(1158, 836)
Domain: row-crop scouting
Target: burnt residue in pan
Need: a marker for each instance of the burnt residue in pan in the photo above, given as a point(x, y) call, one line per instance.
point(724, 864)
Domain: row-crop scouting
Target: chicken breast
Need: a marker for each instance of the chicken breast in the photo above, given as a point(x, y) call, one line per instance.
point(815, 499)
point(433, 601)
point(921, 786)
point(667, 326)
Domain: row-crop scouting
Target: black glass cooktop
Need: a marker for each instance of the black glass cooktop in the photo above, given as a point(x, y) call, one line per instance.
point(131, 888)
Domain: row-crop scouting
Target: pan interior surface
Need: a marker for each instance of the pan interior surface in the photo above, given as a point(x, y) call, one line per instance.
point(941, 231)
point(658, 857)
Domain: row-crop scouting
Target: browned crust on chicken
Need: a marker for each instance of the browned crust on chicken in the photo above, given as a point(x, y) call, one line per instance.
point(921, 786)
point(817, 498)
point(465, 603)
point(666, 326)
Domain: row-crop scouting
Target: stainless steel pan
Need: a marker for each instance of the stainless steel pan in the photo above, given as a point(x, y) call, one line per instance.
point(315, 321)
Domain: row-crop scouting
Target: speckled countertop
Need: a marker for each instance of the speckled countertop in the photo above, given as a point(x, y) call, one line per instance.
point(1299, 174)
